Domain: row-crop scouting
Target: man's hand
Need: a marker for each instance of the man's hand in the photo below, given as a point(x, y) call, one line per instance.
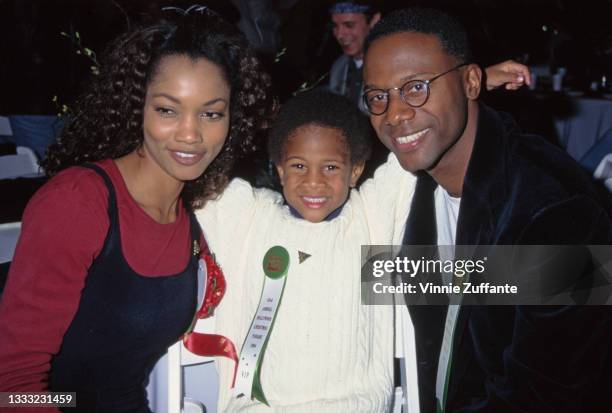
point(509, 73)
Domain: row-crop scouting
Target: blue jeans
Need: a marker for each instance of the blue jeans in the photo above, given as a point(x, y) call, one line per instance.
point(35, 131)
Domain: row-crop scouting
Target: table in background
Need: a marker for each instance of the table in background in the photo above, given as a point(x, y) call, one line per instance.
point(569, 120)
point(584, 126)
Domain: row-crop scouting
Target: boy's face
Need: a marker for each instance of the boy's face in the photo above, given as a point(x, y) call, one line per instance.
point(316, 171)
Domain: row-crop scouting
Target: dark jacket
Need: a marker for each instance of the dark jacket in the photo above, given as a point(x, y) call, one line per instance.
point(339, 79)
point(518, 190)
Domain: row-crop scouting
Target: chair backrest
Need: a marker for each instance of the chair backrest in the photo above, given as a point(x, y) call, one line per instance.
point(166, 389)
point(5, 126)
point(9, 234)
point(22, 164)
point(406, 398)
point(597, 153)
point(178, 358)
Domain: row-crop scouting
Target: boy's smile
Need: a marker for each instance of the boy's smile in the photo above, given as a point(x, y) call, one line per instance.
point(316, 171)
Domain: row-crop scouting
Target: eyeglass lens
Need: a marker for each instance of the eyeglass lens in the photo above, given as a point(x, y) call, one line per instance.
point(414, 93)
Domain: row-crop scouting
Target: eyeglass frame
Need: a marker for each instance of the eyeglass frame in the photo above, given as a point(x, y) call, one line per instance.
point(401, 91)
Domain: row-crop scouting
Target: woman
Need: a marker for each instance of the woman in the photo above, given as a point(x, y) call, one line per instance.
point(104, 277)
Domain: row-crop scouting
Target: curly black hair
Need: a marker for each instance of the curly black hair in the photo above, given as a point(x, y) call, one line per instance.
point(326, 109)
point(451, 33)
point(107, 120)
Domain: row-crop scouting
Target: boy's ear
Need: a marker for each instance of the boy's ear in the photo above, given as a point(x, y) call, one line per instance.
point(281, 174)
point(356, 173)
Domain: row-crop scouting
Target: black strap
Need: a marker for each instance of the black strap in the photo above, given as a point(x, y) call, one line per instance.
point(195, 229)
point(112, 197)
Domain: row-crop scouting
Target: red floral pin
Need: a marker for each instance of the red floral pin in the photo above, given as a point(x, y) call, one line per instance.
point(215, 287)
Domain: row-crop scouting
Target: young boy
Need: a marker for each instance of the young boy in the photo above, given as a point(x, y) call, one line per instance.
point(326, 351)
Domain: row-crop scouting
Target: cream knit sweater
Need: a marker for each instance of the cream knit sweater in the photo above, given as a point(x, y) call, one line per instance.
point(326, 352)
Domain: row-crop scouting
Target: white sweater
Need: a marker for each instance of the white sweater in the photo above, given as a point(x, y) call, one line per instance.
point(326, 352)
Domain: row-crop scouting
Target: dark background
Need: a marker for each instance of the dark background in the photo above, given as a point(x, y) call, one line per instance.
point(38, 63)
point(294, 40)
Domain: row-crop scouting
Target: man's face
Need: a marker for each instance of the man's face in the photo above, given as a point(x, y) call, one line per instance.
point(350, 30)
point(422, 138)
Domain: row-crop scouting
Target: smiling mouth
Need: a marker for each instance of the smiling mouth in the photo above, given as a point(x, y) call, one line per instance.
point(314, 201)
point(185, 155)
point(186, 158)
point(403, 140)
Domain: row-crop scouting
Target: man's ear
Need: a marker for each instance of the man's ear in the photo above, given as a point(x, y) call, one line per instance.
point(374, 20)
point(472, 81)
point(281, 174)
point(356, 172)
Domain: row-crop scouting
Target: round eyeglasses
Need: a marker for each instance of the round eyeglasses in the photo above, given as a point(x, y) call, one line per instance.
point(414, 93)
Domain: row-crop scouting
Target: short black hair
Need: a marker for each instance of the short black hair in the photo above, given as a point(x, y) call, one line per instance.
point(322, 108)
point(449, 31)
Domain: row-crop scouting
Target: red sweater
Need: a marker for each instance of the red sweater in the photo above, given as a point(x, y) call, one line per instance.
point(63, 231)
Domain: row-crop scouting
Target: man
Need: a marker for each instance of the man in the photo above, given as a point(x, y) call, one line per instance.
point(481, 182)
point(352, 21)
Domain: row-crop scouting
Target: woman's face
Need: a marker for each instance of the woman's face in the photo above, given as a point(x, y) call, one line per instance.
point(186, 116)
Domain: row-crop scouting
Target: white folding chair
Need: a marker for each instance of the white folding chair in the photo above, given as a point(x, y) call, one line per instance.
point(178, 358)
point(604, 171)
point(5, 126)
point(9, 234)
point(22, 164)
point(406, 396)
point(166, 388)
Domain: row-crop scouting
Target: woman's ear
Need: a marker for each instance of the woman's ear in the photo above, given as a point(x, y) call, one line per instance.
point(356, 172)
point(472, 81)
